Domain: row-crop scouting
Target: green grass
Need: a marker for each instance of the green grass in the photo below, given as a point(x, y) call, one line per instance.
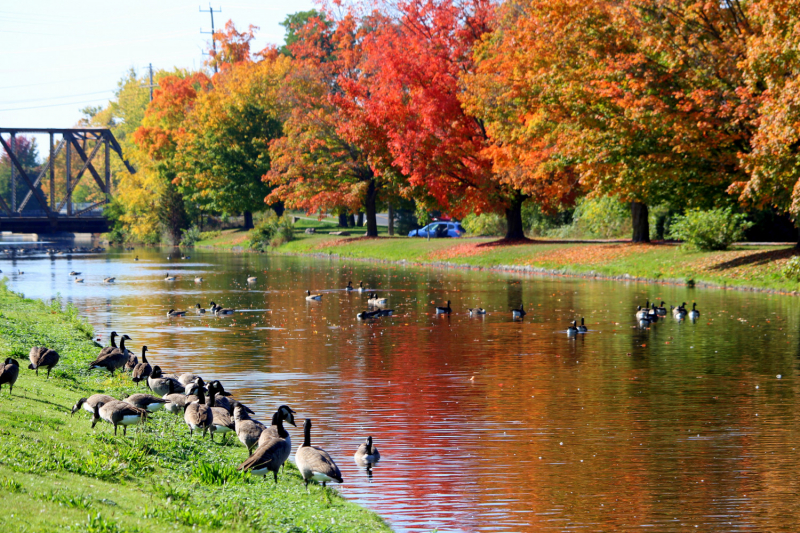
point(56, 472)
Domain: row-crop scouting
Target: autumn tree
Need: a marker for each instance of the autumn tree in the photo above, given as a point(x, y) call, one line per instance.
point(638, 98)
point(158, 136)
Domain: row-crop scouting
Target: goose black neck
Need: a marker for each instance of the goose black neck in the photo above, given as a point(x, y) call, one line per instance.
point(122, 345)
point(144, 351)
point(113, 334)
point(201, 397)
point(307, 432)
point(277, 421)
point(212, 396)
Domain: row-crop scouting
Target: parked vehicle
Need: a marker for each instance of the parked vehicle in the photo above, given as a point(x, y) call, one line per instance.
point(439, 229)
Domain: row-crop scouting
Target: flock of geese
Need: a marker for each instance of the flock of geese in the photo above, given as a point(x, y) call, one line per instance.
point(206, 407)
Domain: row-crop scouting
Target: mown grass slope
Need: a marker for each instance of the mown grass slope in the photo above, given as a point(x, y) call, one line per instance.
point(57, 473)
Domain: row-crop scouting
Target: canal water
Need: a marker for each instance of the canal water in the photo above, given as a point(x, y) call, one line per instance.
point(483, 423)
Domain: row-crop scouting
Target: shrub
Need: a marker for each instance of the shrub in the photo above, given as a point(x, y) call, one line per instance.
point(604, 217)
point(791, 270)
point(190, 236)
point(271, 230)
point(208, 235)
point(485, 224)
point(709, 230)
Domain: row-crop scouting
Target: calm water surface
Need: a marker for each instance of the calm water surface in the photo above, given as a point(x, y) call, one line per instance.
point(484, 424)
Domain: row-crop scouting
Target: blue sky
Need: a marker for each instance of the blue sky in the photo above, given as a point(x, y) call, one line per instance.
point(59, 57)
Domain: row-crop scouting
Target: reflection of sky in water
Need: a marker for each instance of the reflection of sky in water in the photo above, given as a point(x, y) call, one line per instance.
point(483, 423)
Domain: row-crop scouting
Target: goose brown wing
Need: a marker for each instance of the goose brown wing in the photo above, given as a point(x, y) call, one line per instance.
point(264, 457)
point(222, 417)
point(318, 460)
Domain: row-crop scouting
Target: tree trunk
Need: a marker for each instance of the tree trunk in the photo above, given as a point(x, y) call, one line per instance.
point(342, 219)
point(641, 226)
point(391, 220)
point(360, 221)
point(369, 206)
point(279, 208)
point(248, 220)
point(514, 230)
point(351, 220)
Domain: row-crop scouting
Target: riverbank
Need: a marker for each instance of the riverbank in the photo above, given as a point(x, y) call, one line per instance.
point(56, 472)
point(742, 267)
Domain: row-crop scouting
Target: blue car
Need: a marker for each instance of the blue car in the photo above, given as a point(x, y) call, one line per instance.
point(439, 229)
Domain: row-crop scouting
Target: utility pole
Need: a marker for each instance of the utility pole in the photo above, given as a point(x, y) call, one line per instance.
point(213, 40)
point(150, 68)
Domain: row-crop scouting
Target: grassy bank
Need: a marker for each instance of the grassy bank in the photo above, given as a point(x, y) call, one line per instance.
point(757, 267)
point(58, 473)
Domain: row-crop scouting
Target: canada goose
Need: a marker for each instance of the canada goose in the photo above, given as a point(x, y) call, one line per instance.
point(73, 273)
point(444, 310)
point(251, 279)
point(9, 371)
point(42, 356)
point(109, 280)
point(142, 370)
point(645, 322)
point(174, 313)
point(314, 462)
point(694, 314)
point(661, 310)
point(367, 453)
point(169, 258)
point(78, 280)
point(361, 286)
point(187, 378)
point(365, 315)
point(177, 400)
point(200, 310)
point(136, 258)
point(313, 296)
point(247, 429)
point(132, 361)
point(169, 278)
point(680, 311)
point(113, 345)
point(89, 403)
point(119, 414)
point(271, 455)
point(378, 301)
point(160, 384)
point(582, 328)
point(477, 311)
point(198, 415)
point(222, 421)
point(349, 286)
point(518, 313)
point(223, 398)
point(219, 310)
point(385, 312)
point(572, 329)
point(286, 413)
point(113, 359)
point(186, 257)
point(641, 313)
point(198, 279)
point(146, 401)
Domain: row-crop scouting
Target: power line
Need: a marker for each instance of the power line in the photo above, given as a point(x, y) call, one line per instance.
point(50, 105)
point(213, 39)
point(57, 97)
point(150, 86)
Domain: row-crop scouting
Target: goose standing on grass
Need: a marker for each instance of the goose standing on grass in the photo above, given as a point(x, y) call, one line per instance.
point(141, 371)
point(310, 296)
point(42, 356)
point(518, 313)
point(9, 371)
point(286, 413)
point(200, 310)
point(187, 378)
point(367, 453)
point(119, 414)
point(222, 421)
point(132, 361)
point(694, 314)
point(444, 310)
point(89, 403)
point(146, 401)
point(269, 456)
point(582, 328)
point(113, 359)
point(572, 329)
point(349, 286)
point(169, 278)
point(173, 313)
point(177, 400)
point(251, 279)
point(198, 415)
point(314, 462)
point(160, 384)
point(248, 430)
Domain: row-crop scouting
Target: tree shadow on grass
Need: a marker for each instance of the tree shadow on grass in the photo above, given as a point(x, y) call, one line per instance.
point(755, 259)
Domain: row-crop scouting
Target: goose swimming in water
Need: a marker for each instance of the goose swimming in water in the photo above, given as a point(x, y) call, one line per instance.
point(694, 314)
point(572, 330)
point(518, 313)
point(310, 296)
point(444, 310)
point(477, 311)
point(169, 278)
point(582, 328)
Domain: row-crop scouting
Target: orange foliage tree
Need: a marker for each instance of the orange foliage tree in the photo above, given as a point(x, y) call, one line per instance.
point(643, 99)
